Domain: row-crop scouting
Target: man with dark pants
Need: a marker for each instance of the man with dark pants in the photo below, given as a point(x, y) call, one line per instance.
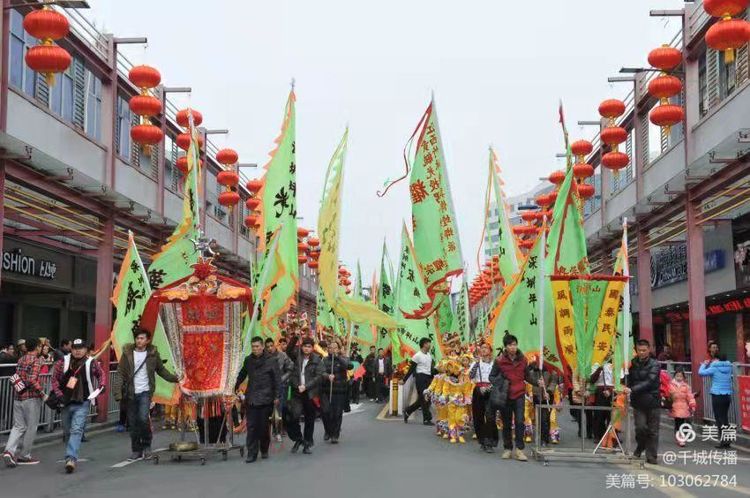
point(512, 364)
point(333, 392)
point(643, 387)
point(422, 365)
point(383, 371)
point(485, 426)
point(304, 383)
point(263, 386)
point(135, 382)
point(370, 370)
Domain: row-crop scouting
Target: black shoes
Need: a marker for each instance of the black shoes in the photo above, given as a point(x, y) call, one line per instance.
point(406, 418)
point(264, 456)
point(251, 458)
point(326, 437)
point(428, 422)
point(652, 461)
point(487, 448)
point(296, 446)
point(334, 440)
point(307, 450)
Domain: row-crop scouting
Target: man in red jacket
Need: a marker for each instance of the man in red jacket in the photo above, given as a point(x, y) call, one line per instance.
point(512, 364)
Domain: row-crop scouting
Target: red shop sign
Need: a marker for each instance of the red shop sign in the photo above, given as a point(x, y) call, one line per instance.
point(743, 385)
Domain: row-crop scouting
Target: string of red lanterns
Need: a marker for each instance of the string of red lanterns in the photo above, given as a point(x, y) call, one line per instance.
point(145, 105)
point(613, 135)
point(665, 86)
point(729, 33)
point(47, 25)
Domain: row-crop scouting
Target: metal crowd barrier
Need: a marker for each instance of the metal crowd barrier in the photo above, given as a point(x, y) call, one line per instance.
point(48, 418)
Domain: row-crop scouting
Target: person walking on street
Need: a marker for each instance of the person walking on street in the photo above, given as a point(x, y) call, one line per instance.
point(76, 381)
point(643, 388)
point(333, 391)
point(683, 403)
point(370, 386)
point(263, 386)
point(485, 426)
point(285, 371)
point(28, 397)
point(356, 381)
point(383, 371)
point(512, 364)
point(423, 365)
point(135, 382)
point(720, 371)
point(305, 400)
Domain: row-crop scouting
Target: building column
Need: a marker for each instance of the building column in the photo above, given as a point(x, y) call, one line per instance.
point(696, 291)
point(643, 268)
point(103, 317)
point(740, 334)
point(109, 114)
point(2, 213)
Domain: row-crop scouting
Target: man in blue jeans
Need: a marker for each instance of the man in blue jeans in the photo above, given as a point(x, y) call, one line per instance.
point(77, 380)
point(135, 382)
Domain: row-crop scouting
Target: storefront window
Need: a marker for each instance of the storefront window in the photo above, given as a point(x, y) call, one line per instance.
point(124, 118)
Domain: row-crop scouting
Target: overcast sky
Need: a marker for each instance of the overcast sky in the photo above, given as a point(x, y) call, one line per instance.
point(498, 70)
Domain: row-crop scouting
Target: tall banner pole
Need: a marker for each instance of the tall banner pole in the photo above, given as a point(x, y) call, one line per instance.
point(626, 318)
point(540, 301)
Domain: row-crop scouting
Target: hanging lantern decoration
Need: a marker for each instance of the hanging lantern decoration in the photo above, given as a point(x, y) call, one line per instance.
point(183, 118)
point(528, 216)
point(557, 177)
point(183, 141)
point(47, 58)
point(664, 87)
point(613, 135)
point(251, 221)
point(301, 247)
point(313, 242)
point(229, 198)
point(729, 33)
point(302, 232)
point(582, 171)
point(252, 203)
point(581, 149)
point(552, 196)
point(312, 264)
point(585, 190)
point(228, 177)
point(145, 105)
point(543, 201)
point(254, 186)
point(302, 259)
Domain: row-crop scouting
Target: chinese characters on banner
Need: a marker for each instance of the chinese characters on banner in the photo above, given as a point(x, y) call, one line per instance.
point(743, 394)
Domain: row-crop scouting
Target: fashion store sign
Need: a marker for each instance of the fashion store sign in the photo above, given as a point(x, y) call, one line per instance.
point(669, 264)
point(15, 261)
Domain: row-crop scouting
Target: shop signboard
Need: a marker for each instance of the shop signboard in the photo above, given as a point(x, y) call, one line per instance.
point(743, 388)
point(32, 264)
point(669, 264)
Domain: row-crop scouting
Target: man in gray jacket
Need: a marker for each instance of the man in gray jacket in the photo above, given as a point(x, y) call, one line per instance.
point(285, 370)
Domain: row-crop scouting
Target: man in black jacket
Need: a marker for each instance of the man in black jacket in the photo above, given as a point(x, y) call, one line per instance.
point(262, 393)
point(305, 384)
point(369, 379)
point(334, 388)
point(643, 387)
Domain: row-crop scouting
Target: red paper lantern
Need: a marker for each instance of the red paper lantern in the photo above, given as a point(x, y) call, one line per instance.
point(518, 229)
point(302, 259)
point(46, 24)
point(313, 241)
point(552, 197)
point(543, 200)
point(585, 190)
point(312, 264)
point(251, 221)
point(146, 134)
point(557, 177)
point(528, 216)
point(664, 86)
point(228, 178)
point(613, 135)
point(254, 186)
point(182, 164)
point(302, 232)
point(183, 117)
point(612, 108)
point(722, 8)
point(301, 247)
point(252, 203)
point(346, 282)
point(145, 105)
point(227, 157)
point(583, 170)
point(183, 141)
point(581, 148)
point(48, 60)
point(615, 160)
point(144, 76)
point(229, 198)
point(666, 115)
point(665, 58)
point(727, 35)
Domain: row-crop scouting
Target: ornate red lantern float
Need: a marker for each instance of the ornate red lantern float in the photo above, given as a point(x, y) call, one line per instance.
point(557, 177)
point(183, 117)
point(728, 34)
point(47, 58)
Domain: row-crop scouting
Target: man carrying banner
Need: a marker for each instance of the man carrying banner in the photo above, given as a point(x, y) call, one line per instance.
point(423, 365)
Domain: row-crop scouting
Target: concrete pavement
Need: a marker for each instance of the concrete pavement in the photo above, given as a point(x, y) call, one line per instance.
point(375, 459)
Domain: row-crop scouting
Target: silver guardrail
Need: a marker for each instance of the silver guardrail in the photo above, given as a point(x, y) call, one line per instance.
point(48, 418)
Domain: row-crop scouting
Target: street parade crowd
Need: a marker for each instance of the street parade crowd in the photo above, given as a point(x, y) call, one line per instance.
point(283, 386)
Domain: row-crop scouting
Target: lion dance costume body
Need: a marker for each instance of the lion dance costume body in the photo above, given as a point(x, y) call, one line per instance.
point(450, 392)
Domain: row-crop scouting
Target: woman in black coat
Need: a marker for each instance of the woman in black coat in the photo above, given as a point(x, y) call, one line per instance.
point(334, 387)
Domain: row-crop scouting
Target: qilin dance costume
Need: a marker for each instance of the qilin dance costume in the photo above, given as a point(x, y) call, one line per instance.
point(451, 393)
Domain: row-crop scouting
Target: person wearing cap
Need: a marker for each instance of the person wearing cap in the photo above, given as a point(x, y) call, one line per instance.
point(21, 348)
point(77, 380)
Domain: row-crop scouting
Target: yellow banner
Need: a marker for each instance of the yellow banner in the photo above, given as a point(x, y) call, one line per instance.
point(564, 321)
point(606, 327)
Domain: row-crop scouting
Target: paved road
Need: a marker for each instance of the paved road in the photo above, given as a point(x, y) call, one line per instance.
point(375, 459)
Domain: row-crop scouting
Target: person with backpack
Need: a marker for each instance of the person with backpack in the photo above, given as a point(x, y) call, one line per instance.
point(77, 380)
